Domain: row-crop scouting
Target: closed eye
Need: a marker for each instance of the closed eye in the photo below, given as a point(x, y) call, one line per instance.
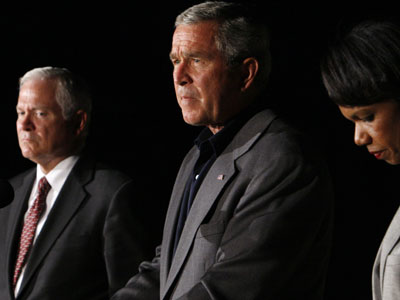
point(369, 118)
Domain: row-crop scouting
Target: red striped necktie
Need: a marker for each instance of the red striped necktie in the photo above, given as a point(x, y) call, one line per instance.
point(29, 229)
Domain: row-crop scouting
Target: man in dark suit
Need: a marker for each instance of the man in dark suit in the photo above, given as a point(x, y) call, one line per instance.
point(250, 216)
point(77, 236)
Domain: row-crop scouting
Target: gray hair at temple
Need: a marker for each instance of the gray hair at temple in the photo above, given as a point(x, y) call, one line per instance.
point(241, 33)
point(72, 94)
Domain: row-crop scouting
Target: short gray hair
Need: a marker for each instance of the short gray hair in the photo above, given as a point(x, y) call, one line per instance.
point(240, 33)
point(72, 93)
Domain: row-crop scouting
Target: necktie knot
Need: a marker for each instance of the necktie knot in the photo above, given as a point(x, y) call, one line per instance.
point(44, 186)
point(43, 190)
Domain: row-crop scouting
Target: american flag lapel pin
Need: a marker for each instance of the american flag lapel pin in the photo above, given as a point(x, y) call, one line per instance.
point(221, 177)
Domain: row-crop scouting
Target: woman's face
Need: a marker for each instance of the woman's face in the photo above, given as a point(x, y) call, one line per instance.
point(377, 126)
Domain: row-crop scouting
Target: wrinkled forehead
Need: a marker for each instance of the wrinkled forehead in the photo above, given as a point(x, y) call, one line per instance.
point(38, 92)
point(199, 36)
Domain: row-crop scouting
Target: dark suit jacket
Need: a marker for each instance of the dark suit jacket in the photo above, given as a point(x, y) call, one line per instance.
point(260, 226)
point(90, 244)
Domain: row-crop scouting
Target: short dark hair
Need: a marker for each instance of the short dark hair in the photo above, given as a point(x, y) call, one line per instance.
point(363, 67)
point(241, 32)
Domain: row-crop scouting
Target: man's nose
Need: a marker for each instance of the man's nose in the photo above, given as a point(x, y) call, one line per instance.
point(181, 74)
point(24, 122)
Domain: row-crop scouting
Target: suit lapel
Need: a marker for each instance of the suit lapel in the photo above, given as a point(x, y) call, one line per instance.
point(201, 205)
point(217, 177)
point(389, 241)
point(376, 282)
point(172, 214)
point(67, 204)
point(21, 199)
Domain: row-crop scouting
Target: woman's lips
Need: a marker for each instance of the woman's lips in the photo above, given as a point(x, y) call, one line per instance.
point(377, 154)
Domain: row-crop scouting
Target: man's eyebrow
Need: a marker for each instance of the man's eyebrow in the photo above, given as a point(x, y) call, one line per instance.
point(34, 108)
point(186, 54)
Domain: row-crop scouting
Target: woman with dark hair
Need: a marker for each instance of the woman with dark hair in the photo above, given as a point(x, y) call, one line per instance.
point(361, 73)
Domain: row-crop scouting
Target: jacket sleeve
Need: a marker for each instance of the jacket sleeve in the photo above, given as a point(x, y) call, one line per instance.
point(125, 237)
point(144, 285)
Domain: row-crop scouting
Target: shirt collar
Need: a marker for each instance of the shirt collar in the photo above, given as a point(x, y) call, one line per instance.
point(223, 137)
point(57, 176)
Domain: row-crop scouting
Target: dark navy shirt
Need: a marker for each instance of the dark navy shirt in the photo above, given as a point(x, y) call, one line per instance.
point(210, 147)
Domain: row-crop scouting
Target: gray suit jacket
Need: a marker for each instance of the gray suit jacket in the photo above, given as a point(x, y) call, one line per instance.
point(386, 270)
point(89, 246)
point(259, 228)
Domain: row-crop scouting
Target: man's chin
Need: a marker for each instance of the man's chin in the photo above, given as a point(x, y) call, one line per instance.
point(28, 154)
point(192, 121)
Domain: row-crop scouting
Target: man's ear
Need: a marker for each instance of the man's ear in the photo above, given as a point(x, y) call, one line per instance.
point(249, 72)
point(80, 123)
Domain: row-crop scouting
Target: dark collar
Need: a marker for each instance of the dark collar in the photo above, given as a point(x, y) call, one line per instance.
point(222, 138)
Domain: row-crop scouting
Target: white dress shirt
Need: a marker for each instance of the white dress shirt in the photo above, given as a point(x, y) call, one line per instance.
point(56, 178)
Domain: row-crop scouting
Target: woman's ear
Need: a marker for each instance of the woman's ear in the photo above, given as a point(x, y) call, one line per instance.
point(249, 72)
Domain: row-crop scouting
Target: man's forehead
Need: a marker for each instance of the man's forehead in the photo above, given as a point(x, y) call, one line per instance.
point(37, 92)
point(27, 92)
point(194, 37)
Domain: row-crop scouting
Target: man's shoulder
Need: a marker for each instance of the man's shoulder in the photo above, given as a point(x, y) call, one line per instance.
point(18, 179)
point(268, 126)
point(279, 139)
point(110, 172)
point(99, 173)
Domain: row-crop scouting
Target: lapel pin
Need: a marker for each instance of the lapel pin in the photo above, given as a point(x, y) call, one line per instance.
point(221, 177)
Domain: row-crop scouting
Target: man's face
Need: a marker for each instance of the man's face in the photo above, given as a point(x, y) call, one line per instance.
point(207, 91)
point(44, 136)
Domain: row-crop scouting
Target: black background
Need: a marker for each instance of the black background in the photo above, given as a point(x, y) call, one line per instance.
point(122, 49)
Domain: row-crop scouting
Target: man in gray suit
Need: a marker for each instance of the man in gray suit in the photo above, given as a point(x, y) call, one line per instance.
point(250, 216)
point(77, 236)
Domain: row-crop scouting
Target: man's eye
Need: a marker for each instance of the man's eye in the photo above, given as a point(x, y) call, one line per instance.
point(41, 114)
